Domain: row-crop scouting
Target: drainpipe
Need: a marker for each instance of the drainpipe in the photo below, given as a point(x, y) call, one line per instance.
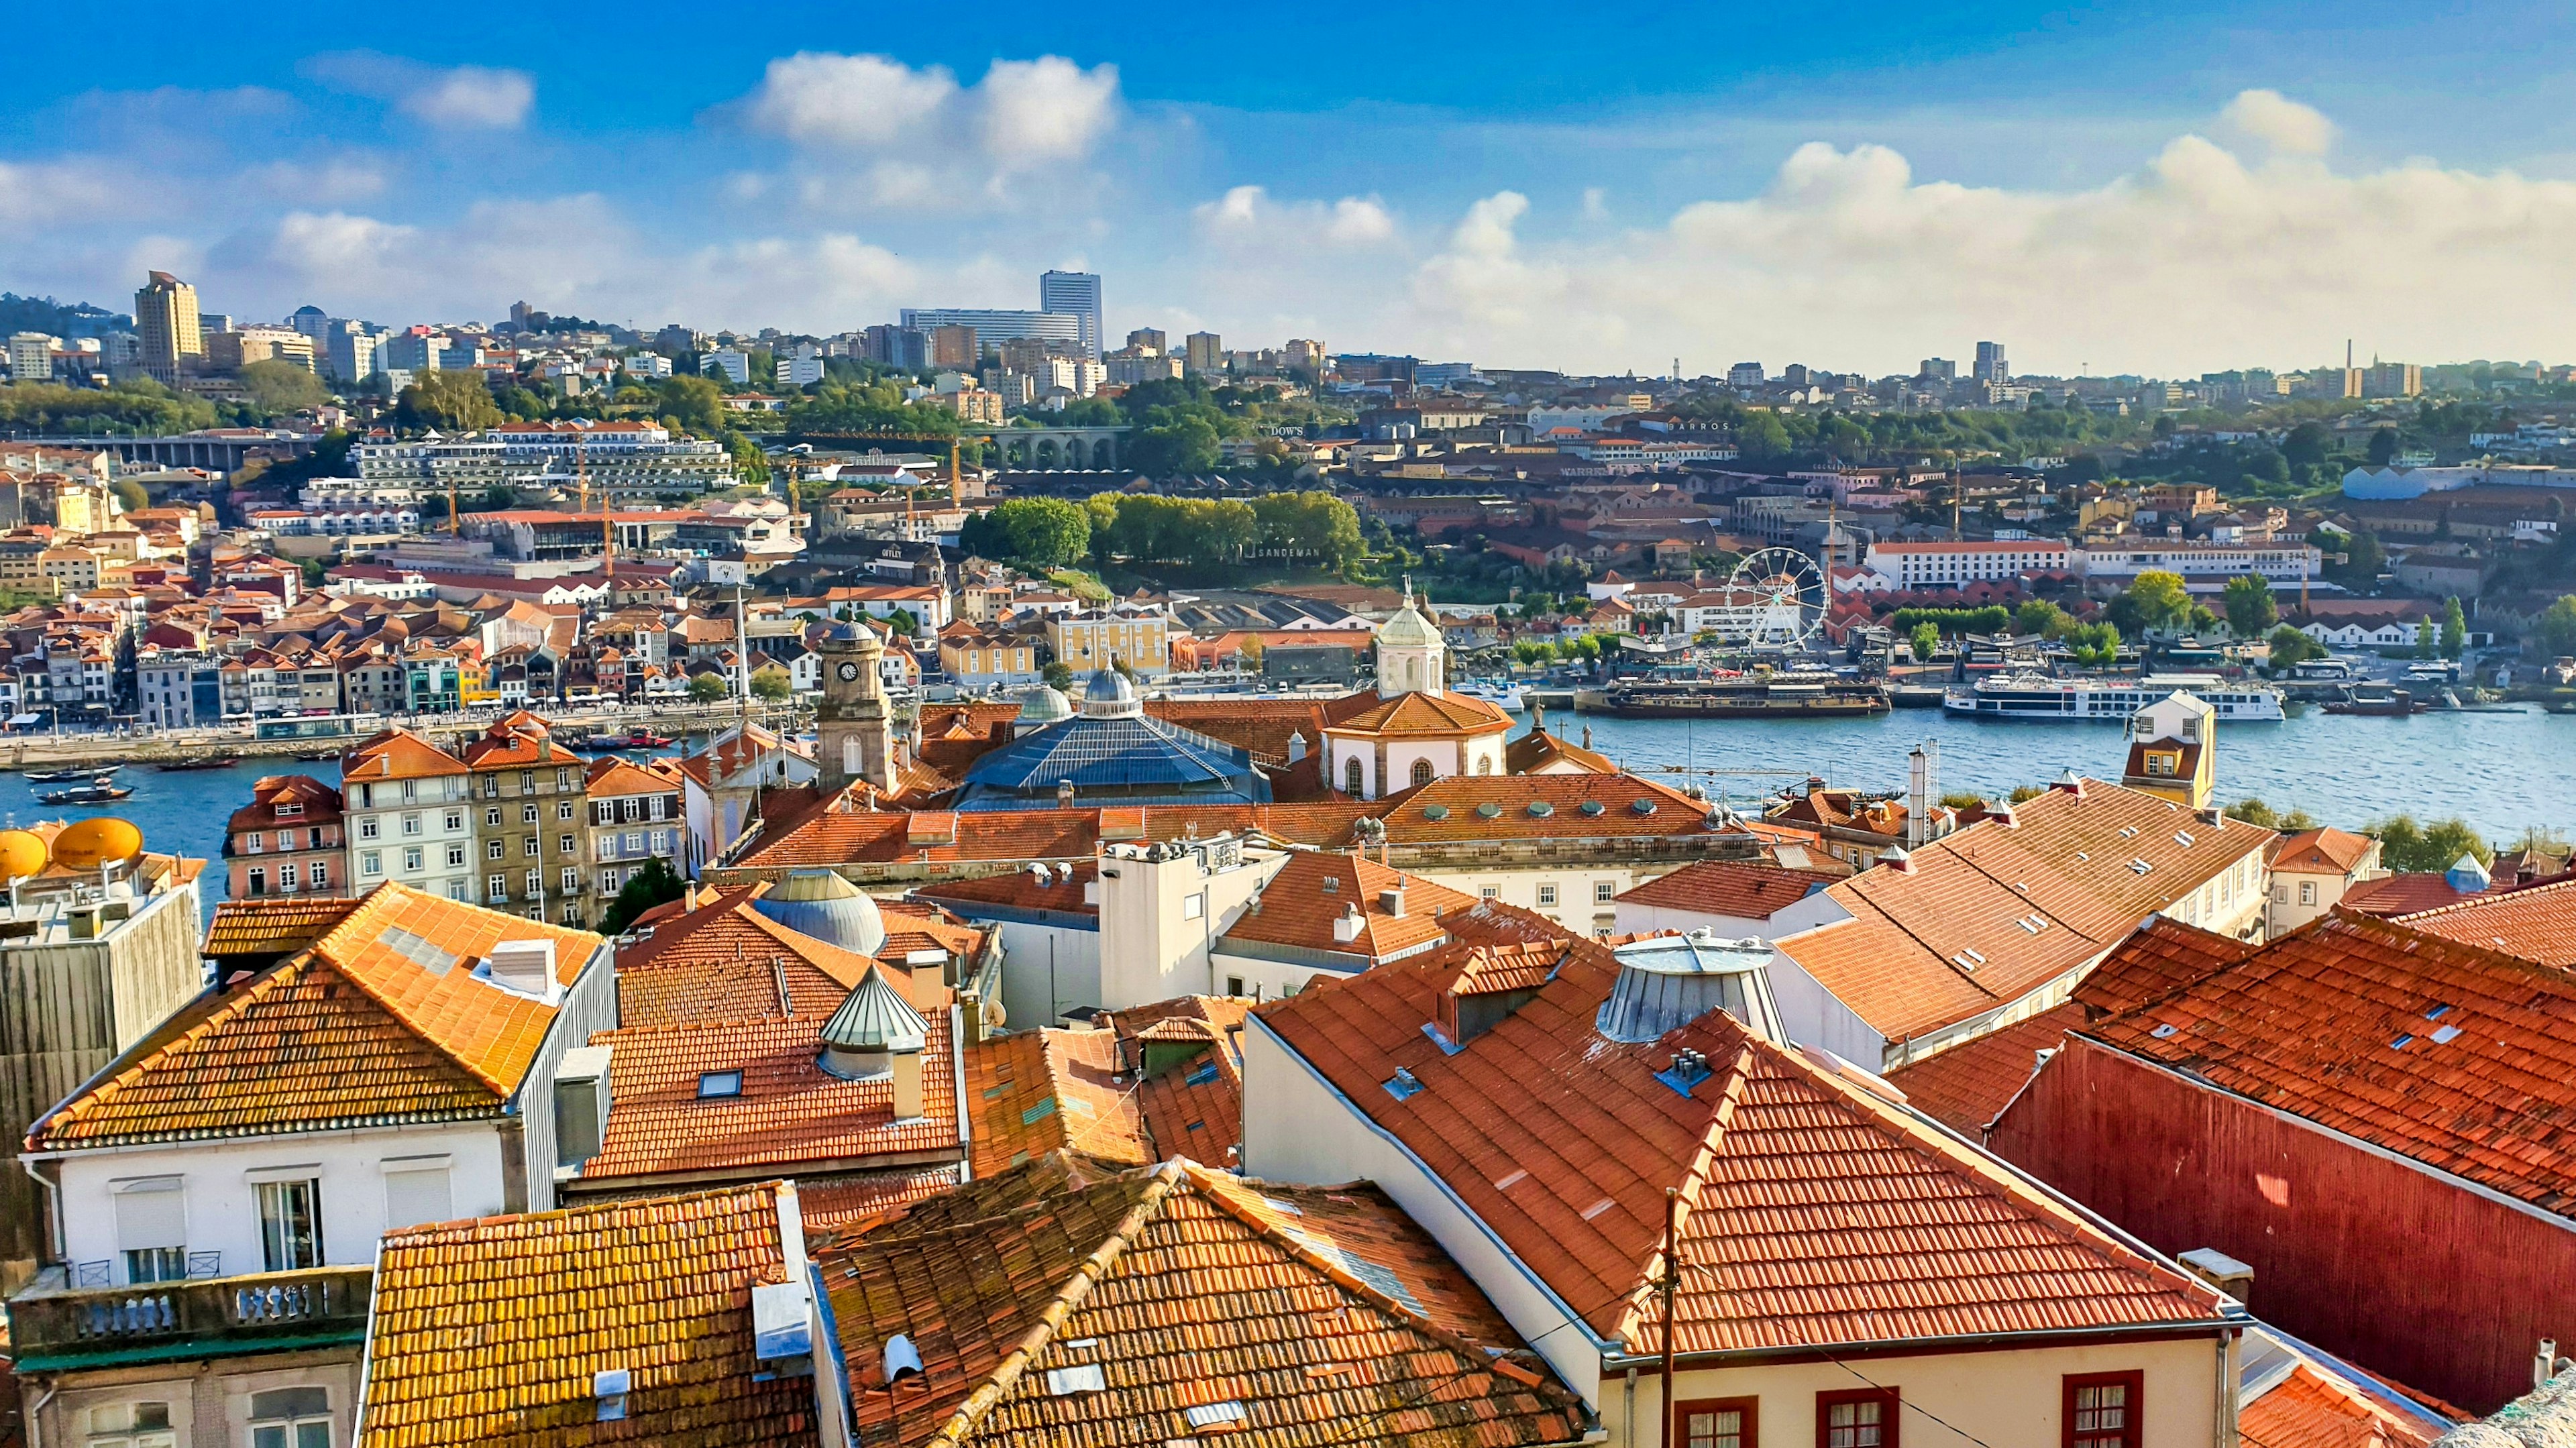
point(1628, 1413)
point(36, 1415)
point(2223, 1434)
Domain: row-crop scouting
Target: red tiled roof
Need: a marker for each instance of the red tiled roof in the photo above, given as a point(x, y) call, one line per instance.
point(2321, 851)
point(834, 1205)
point(1540, 806)
point(2536, 922)
point(1335, 1311)
point(1727, 887)
point(1538, 749)
point(726, 961)
point(1033, 1092)
point(844, 834)
point(2162, 956)
point(1427, 715)
point(2312, 1409)
point(273, 925)
point(397, 754)
point(2407, 894)
point(790, 1115)
point(1315, 889)
point(1968, 1085)
point(1019, 889)
point(490, 1331)
point(1563, 1143)
point(2461, 1058)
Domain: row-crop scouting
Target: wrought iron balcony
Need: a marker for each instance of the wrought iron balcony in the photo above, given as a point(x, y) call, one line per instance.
point(54, 1322)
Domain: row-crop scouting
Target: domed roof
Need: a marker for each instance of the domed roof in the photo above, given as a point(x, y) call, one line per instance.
point(1045, 704)
point(821, 904)
point(1109, 694)
point(1408, 629)
point(844, 632)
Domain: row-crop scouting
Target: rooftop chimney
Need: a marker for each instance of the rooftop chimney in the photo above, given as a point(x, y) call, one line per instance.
point(1896, 859)
point(1348, 927)
point(1297, 747)
point(1391, 900)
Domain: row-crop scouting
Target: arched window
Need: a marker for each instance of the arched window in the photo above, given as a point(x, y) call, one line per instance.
point(1351, 777)
point(1484, 764)
point(1422, 771)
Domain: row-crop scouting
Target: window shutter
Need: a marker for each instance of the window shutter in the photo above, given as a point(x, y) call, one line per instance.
point(151, 1213)
point(413, 1197)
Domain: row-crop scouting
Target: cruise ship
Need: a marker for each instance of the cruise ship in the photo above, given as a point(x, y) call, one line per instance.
point(2037, 696)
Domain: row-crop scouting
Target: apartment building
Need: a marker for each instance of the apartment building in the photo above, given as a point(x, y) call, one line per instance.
point(409, 816)
point(528, 803)
point(1136, 635)
point(287, 840)
point(1965, 561)
point(637, 815)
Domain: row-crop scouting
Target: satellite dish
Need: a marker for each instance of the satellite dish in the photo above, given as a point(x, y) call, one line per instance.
point(22, 853)
point(92, 843)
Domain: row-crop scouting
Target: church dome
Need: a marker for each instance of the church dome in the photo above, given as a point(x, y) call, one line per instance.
point(820, 904)
point(1111, 695)
point(1408, 629)
point(1045, 704)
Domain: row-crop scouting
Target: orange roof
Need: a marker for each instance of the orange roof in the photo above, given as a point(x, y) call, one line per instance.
point(791, 1114)
point(272, 925)
point(1018, 890)
point(1540, 806)
point(1336, 1311)
point(397, 754)
point(1987, 914)
point(1034, 1092)
point(483, 1330)
point(855, 1203)
point(520, 739)
point(2411, 893)
point(842, 833)
point(613, 774)
point(2324, 851)
point(1315, 889)
point(1538, 749)
point(1968, 1085)
point(2314, 1409)
point(2453, 1056)
point(1421, 714)
point(1743, 890)
point(1563, 1143)
point(2536, 922)
point(381, 1019)
point(726, 961)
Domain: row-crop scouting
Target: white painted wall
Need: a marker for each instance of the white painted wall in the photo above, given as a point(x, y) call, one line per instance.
point(1159, 919)
point(223, 1210)
point(1031, 956)
point(1577, 884)
point(1815, 1016)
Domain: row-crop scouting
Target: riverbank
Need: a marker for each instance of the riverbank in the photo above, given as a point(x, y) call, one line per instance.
point(46, 751)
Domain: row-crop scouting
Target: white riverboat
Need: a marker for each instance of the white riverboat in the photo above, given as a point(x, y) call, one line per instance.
point(2038, 696)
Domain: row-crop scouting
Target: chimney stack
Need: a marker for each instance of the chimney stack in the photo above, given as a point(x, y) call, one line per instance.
point(907, 1086)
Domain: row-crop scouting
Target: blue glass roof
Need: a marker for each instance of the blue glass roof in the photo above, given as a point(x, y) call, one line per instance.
point(1130, 760)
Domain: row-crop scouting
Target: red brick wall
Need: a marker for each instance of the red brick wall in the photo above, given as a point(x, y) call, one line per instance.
point(2405, 1273)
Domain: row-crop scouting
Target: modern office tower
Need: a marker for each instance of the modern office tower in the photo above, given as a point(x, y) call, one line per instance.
point(905, 347)
point(352, 351)
point(1205, 352)
point(992, 328)
point(1991, 366)
point(166, 321)
point(1075, 294)
point(31, 357)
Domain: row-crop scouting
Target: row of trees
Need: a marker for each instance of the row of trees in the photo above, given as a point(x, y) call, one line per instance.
point(1043, 534)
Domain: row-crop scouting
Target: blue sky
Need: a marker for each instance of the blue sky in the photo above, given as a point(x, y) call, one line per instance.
point(2163, 188)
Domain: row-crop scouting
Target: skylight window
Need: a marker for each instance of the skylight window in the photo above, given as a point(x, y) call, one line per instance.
point(2404, 1040)
point(1082, 1378)
point(2163, 1031)
point(2446, 1035)
point(1285, 1208)
point(1203, 1074)
point(715, 1084)
point(2140, 867)
point(1332, 886)
point(2437, 1012)
point(2183, 838)
point(1228, 1414)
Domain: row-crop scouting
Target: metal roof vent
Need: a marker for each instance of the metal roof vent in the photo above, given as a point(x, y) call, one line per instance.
point(1668, 981)
point(899, 1360)
point(525, 967)
point(872, 1027)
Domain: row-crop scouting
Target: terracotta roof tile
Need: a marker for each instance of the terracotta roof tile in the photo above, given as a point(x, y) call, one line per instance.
point(1421, 714)
point(2312, 1409)
point(854, 1203)
point(2404, 894)
point(273, 925)
point(1315, 889)
point(2320, 851)
point(1563, 1144)
point(1727, 887)
point(490, 1331)
point(1539, 749)
point(397, 754)
point(845, 834)
point(726, 961)
point(1334, 1310)
point(1034, 1092)
point(1019, 890)
point(791, 1114)
point(2536, 922)
point(1540, 806)
point(1968, 1085)
point(381, 1019)
point(2461, 1058)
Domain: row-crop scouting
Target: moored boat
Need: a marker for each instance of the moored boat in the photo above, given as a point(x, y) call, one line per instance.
point(182, 766)
point(1783, 696)
point(86, 794)
point(2040, 696)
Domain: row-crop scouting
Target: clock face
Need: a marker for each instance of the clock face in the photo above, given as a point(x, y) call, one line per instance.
point(849, 671)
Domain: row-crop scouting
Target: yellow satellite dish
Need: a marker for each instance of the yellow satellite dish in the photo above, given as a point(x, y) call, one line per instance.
point(92, 843)
point(22, 853)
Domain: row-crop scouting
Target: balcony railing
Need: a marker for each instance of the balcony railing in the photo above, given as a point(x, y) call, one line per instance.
point(50, 1318)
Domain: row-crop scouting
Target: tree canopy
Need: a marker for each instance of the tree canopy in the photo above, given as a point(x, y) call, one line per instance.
point(1041, 534)
point(2250, 606)
point(448, 401)
point(2409, 847)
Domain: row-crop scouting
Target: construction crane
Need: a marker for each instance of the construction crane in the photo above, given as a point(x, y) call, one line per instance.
point(956, 485)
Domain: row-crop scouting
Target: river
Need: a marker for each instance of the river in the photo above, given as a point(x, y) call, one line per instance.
point(2504, 773)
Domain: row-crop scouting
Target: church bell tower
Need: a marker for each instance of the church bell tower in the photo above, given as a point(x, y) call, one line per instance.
point(854, 730)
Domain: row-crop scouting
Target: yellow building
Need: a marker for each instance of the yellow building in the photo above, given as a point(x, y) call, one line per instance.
point(69, 570)
point(1139, 638)
point(166, 325)
point(2173, 750)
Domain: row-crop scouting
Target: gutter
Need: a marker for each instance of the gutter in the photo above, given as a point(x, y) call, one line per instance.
point(2226, 1327)
point(1609, 1348)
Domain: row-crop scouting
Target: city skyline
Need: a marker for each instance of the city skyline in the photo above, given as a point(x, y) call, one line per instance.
point(1873, 200)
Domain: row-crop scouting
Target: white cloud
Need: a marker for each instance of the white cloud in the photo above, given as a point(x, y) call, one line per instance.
point(48, 191)
point(1246, 217)
point(463, 98)
point(2196, 259)
point(1048, 109)
point(2280, 122)
point(473, 97)
point(816, 98)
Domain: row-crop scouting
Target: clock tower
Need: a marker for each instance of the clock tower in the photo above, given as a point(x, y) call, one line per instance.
point(854, 730)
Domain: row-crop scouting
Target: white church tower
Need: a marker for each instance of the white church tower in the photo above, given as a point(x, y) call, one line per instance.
point(1411, 658)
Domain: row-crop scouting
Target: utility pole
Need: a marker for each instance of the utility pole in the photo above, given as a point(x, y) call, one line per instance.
point(1672, 1278)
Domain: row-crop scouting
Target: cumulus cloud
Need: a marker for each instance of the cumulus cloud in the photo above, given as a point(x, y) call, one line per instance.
point(1022, 112)
point(815, 98)
point(2280, 122)
point(1247, 217)
point(54, 190)
point(2198, 258)
point(460, 98)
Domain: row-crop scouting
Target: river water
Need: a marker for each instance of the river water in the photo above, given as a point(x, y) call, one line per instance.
point(2504, 773)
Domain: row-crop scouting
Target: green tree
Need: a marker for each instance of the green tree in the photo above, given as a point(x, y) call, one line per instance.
point(276, 388)
point(2383, 447)
point(448, 401)
point(901, 624)
point(2415, 848)
point(2155, 600)
point(2043, 619)
point(2363, 558)
point(1037, 533)
point(1177, 447)
point(1762, 436)
point(695, 403)
point(1926, 641)
point(2555, 630)
point(2250, 606)
point(133, 496)
point(2427, 639)
point(708, 688)
point(2254, 812)
point(2291, 648)
point(2455, 629)
point(653, 883)
point(1058, 674)
point(2306, 444)
point(772, 683)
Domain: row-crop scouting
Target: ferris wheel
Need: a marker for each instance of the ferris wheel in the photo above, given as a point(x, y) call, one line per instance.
point(1775, 601)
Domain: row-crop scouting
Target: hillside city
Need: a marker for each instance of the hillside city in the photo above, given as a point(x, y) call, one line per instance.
point(954, 883)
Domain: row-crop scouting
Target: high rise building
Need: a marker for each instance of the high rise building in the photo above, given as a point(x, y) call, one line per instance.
point(1744, 375)
point(1074, 294)
point(166, 321)
point(1205, 352)
point(352, 352)
point(313, 322)
point(905, 347)
point(1991, 366)
point(1938, 369)
point(1148, 338)
point(31, 357)
point(955, 345)
point(995, 327)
